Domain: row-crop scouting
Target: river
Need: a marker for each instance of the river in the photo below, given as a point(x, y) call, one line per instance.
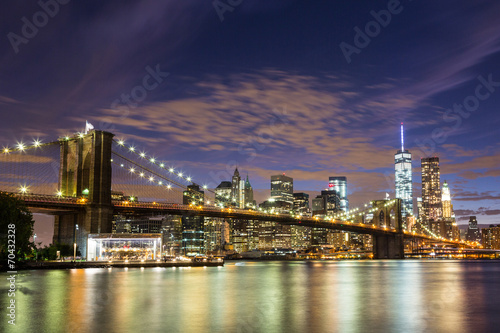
point(260, 296)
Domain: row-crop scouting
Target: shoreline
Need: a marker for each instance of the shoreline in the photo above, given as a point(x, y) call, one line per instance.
point(118, 264)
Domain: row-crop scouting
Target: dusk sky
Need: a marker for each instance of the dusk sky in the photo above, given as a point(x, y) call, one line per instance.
point(266, 86)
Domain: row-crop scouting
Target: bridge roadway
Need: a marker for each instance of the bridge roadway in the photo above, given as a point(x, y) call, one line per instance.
point(55, 205)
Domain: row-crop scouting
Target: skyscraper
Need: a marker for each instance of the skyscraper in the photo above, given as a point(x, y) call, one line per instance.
point(339, 184)
point(403, 177)
point(473, 232)
point(193, 226)
point(446, 200)
point(248, 194)
point(301, 204)
point(282, 188)
point(236, 188)
point(431, 189)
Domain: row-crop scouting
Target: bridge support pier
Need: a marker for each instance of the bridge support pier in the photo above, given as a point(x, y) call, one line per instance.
point(388, 246)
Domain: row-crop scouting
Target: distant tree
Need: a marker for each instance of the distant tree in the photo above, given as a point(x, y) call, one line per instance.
point(13, 212)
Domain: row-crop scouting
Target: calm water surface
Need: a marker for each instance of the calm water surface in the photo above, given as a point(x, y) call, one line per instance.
point(345, 296)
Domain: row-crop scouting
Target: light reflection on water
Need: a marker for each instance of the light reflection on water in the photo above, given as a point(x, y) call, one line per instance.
point(317, 296)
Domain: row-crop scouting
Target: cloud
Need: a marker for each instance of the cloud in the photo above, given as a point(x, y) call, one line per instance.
point(475, 196)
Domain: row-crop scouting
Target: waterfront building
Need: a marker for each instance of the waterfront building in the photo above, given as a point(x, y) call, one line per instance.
point(272, 234)
point(403, 178)
point(431, 189)
point(213, 231)
point(282, 188)
point(339, 185)
point(193, 235)
point(301, 236)
point(171, 231)
point(326, 203)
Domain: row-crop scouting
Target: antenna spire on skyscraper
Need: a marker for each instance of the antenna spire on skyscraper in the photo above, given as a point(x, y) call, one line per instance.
point(402, 139)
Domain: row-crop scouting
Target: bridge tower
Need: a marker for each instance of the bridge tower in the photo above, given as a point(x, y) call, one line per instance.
point(388, 213)
point(85, 172)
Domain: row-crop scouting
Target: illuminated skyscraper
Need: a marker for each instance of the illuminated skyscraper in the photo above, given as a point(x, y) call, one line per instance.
point(446, 200)
point(404, 185)
point(236, 188)
point(282, 188)
point(249, 202)
point(193, 236)
point(431, 189)
point(339, 185)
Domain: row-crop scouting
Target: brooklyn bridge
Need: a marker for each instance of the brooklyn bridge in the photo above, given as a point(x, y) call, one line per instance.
point(76, 179)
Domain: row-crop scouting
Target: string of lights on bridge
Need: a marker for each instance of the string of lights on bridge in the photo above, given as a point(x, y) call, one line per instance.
point(23, 147)
point(161, 164)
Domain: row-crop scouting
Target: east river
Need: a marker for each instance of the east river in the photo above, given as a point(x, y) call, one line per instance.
point(243, 296)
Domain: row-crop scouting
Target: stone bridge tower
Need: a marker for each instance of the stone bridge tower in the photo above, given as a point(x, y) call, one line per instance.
point(388, 213)
point(85, 173)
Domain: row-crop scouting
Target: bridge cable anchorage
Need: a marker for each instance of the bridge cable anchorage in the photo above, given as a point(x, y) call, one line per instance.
point(159, 164)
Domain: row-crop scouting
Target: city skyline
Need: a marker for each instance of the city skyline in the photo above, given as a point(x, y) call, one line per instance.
point(294, 106)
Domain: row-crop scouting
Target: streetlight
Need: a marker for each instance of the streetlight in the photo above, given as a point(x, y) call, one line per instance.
point(74, 244)
point(34, 241)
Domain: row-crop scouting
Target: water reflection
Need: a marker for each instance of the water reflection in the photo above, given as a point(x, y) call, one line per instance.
point(346, 296)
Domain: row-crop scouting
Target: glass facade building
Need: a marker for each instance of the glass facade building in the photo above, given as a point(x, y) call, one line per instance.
point(403, 180)
point(124, 247)
point(339, 185)
point(282, 188)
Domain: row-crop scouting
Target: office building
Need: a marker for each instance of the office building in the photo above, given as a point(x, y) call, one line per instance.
point(339, 185)
point(326, 203)
point(446, 201)
point(282, 188)
point(223, 194)
point(403, 178)
point(473, 233)
point(301, 236)
point(491, 237)
point(301, 204)
point(236, 189)
point(193, 236)
point(248, 195)
point(431, 189)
